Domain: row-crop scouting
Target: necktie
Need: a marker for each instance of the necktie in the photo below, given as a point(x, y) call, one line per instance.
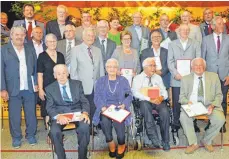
point(90, 54)
point(209, 29)
point(68, 57)
point(103, 47)
point(218, 43)
point(29, 30)
point(200, 90)
point(65, 95)
point(149, 83)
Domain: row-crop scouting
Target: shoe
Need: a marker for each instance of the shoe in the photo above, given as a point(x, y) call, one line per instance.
point(190, 149)
point(166, 146)
point(223, 129)
point(112, 154)
point(120, 156)
point(112, 149)
point(32, 141)
point(209, 148)
point(155, 144)
point(16, 144)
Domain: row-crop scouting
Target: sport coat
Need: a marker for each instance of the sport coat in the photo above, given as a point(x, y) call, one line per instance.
point(53, 27)
point(176, 51)
point(216, 62)
point(83, 69)
point(109, 50)
point(204, 29)
point(23, 24)
point(10, 74)
point(213, 93)
point(135, 42)
point(56, 105)
point(163, 57)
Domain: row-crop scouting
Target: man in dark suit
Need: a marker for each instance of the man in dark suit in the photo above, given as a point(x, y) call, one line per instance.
point(67, 96)
point(160, 54)
point(106, 45)
point(164, 29)
point(17, 73)
point(57, 26)
point(29, 22)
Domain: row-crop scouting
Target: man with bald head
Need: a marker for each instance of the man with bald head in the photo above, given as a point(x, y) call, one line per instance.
point(201, 86)
point(140, 33)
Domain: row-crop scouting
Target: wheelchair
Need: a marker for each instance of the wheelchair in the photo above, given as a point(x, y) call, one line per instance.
point(139, 126)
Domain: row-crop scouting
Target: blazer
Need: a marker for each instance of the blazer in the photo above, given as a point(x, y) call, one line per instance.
point(213, 93)
point(53, 27)
point(111, 46)
point(171, 34)
point(204, 29)
point(176, 51)
point(135, 42)
point(22, 23)
point(163, 57)
point(30, 43)
point(83, 69)
point(216, 62)
point(10, 74)
point(56, 105)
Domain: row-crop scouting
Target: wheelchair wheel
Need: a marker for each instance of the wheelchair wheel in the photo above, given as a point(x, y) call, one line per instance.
point(176, 141)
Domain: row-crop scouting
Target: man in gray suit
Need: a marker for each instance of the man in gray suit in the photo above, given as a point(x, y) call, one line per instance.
point(106, 45)
point(215, 50)
point(140, 33)
point(164, 29)
point(180, 49)
point(64, 46)
point(66, 96)
point(17, 72)
point(87, 65)
point(29, 22)
point(201, 86)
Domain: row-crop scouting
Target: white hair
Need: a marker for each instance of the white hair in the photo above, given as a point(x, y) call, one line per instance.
point(72, 26)
point(213, 22)
point(21, 28)
point(198, 58)
point(59, 66)
point(112, 60)
point(62, 6)
point(146, 61)
point(88, 30)
point(50, 35)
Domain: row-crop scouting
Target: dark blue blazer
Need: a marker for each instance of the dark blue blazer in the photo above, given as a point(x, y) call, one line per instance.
point(10, 75)
point(53, 27)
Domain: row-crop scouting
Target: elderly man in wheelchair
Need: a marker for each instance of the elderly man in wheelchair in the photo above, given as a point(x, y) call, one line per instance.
point(142, 84)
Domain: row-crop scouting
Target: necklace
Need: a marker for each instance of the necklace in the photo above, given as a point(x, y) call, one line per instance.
point(110, 87)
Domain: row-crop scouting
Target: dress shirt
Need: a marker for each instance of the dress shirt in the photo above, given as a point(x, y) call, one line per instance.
point(165, 34)
point(62, 29)
point(67, 90)
point(184, 43)
point(22, 68)
point(38, 47)
point(157, 52)
point(27, 24)
point(216, 39)
point(142, 80)
point(72, 44)
point(105, 43)
point(194, 95)
point(139, 31)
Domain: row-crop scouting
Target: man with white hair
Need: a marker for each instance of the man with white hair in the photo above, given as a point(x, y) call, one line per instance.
point(106, 45)
point(87, 65)
point(57, 26)
point(149, 78)
point(66, 96)
point(201, 86)
point(17, 72)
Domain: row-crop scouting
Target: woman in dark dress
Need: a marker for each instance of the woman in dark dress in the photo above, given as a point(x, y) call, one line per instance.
point(45, 63)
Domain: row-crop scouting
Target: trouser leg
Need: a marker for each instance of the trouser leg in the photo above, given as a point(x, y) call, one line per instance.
point(90, 98)
point(176, 105)
point(224, 91)
point(106, 125)
point(120, 131)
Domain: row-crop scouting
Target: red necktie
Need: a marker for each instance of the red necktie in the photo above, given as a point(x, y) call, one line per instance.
point(209, 29)
point(29, 30)
point(218, 44)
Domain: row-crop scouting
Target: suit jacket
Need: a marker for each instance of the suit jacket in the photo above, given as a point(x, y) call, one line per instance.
point(213, 93)
point(10, 74)
point(163, 57)
point(53, 27)
point(176, 51)
point(171, 34)
point(216, 62)
point(56, 105)
point(5, 35)
point(83, 69)
point(135, 42)
point(111, 46)
point(22, 23)
point(30, 43)
point(204, 29)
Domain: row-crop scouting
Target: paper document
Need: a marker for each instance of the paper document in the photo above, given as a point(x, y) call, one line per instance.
point(152, 92)
point(128, 74)
point(118, 115)
point(195, 109)
point(165, 43)
point(184, 67)
point(75, 116)
point(144, 44)
point(158, 63)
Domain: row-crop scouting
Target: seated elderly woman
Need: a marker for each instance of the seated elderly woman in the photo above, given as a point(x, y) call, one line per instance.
point(112, 90)
point(127, 56)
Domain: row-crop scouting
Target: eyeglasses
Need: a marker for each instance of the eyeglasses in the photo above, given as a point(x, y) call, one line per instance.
point(111, 66)
point(156, 37)
point(51, 41)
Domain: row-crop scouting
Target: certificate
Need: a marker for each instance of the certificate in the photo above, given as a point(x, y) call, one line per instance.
point(158, 63)
point(75, 116)
point(115, 114)
point(165, 43)
point(196, 109)
point(152, 92)
point(128, 74)
point(144, 44)
point(184, 66)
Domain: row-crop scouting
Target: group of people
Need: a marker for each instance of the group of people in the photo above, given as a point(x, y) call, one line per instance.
point(68, 69)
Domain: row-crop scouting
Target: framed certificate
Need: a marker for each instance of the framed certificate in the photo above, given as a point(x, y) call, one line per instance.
point(184, 66)
point(152, 92)
point(128, 74)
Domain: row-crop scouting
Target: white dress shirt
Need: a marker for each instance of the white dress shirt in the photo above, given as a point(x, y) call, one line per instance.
point(157, 52)
point(38, 47)
point(67, 90)
point(216, 39)
point(142, 80)
point(105, 43)
point(27, 24)
point(22, 68)
point(184, 43)
point(72, 44)
point(194, 95)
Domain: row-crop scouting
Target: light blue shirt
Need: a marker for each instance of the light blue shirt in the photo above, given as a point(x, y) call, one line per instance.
point(139, 31)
